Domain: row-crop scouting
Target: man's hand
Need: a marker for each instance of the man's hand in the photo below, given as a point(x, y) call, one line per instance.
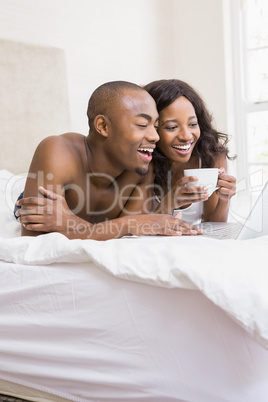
point(160, 224)
point(49, 213)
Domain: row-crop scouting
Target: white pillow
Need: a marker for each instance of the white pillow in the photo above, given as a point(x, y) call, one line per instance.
point(10, 188)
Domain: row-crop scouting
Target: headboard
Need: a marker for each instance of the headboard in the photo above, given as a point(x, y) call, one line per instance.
point(33, 100)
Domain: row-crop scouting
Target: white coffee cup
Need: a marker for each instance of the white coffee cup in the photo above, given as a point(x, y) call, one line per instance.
point(206, 177)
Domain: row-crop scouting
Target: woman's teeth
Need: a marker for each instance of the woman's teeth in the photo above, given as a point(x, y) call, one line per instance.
point(185, 147)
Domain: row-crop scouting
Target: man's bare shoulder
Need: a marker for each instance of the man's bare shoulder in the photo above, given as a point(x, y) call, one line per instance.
point(58, 154)
point(60, 147)
point(67, 140)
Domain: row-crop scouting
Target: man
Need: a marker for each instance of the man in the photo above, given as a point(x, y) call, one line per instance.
point(97, 187)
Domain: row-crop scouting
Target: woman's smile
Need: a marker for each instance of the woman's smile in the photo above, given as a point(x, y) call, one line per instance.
point(183, 149)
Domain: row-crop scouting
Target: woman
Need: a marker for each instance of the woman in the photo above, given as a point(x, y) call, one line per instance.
point(188, 141)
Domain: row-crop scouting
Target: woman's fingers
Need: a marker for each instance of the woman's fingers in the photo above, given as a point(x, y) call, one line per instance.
point(227, 184)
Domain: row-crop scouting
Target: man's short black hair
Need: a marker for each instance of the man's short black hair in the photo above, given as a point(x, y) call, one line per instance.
point(105, 95)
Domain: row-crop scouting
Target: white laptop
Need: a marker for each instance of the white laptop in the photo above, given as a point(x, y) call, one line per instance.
point(256, 224)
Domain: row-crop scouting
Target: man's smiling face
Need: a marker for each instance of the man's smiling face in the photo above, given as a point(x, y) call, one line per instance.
point(132, 131)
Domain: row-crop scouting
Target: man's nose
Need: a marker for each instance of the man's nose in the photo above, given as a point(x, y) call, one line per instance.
point(152, 135)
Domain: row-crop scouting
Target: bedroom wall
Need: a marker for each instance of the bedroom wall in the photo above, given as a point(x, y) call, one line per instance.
point(139, 41)
point(200, 51)
point(203, 57)
point(103, 40)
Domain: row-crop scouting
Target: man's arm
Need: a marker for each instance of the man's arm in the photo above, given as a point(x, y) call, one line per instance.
point(43, 216)
point(51, 168)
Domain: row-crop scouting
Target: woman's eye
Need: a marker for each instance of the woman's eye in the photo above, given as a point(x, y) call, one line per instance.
point(193, 124)
point(142, 125)
point(171, 128)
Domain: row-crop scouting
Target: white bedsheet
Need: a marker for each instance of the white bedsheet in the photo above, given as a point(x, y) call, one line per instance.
point(232, 274)
point(75, 331)
point(134, 318)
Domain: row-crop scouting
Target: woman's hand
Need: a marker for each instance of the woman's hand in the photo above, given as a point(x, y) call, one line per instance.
point(182, 194)
point(226, 184)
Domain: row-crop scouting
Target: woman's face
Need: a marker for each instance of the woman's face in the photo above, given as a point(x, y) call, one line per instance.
point(178, 130)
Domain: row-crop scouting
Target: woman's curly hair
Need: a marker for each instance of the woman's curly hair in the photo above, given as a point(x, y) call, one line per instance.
point(210, 143)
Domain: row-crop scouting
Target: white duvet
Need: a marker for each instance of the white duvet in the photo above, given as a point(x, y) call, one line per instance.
point(232, 274)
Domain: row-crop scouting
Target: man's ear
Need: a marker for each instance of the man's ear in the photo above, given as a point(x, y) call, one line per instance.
point(101, 125)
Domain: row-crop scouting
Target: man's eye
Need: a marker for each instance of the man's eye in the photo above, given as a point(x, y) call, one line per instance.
point(142, 125)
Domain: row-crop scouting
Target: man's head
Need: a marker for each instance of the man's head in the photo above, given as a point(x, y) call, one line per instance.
point(124, 115)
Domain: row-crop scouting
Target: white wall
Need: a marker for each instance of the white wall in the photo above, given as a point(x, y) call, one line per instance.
point(139, 41)
point(200, 52)
point(203, 58)
point(103, 40)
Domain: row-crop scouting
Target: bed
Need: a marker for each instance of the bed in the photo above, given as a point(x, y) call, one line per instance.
point(133, 319)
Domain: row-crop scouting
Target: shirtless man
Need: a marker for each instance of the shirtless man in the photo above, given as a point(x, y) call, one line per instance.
point(96, 187)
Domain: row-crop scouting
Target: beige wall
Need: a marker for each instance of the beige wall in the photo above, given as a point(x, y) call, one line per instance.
point(200, 52)
point(103, 40)
point(139, 41)
point(203, 57)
